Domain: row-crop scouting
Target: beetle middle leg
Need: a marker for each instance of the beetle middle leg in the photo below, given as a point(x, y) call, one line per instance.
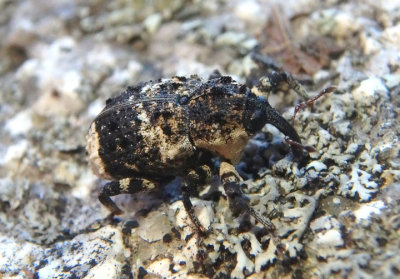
point(194, 178)
point(238, 202)
point(123, 186)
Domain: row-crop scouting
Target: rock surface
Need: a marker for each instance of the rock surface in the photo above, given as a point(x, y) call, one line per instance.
point(338, 215)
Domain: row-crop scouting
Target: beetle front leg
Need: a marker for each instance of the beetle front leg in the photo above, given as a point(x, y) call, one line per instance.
point(199, 176)
point(274, 80)
point(238, 202)
point(123, 186)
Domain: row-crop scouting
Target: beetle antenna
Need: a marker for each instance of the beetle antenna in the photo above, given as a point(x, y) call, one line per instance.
point(307, 148)
point(312, 100)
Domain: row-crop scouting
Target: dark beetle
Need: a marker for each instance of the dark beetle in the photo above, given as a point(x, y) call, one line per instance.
point(161, 129)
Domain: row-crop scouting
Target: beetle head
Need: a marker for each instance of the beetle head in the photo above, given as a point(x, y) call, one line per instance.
point(259, 112)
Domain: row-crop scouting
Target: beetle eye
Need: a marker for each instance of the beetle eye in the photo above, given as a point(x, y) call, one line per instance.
point(183, 100)
point(257, 120)
point(256, 116)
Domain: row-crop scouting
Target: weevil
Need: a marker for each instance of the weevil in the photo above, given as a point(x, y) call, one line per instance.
point(168, 128)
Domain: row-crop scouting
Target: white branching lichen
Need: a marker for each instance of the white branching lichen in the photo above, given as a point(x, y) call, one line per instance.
point(359, 184)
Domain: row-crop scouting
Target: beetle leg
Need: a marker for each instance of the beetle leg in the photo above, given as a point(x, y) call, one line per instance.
point(186, 193)
point(238, 202)
point(274, 80)
point(199, 176)
point(123, 186)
